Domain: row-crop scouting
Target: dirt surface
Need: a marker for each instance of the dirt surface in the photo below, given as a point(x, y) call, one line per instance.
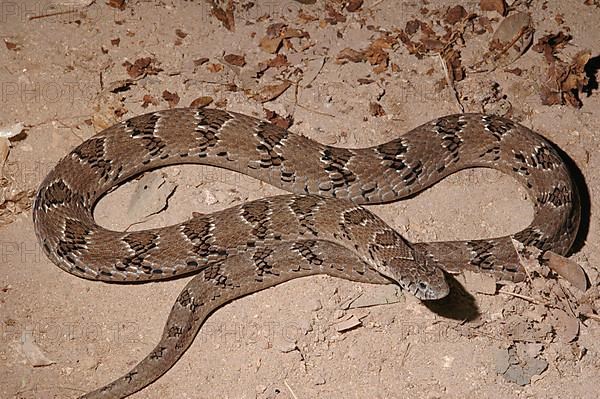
point(73, 71)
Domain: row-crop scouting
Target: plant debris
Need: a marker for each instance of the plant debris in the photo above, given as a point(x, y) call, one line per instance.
point(564, 80)
point(224, 15)
point(510, 40)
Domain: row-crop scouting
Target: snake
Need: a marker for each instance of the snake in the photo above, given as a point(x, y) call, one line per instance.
point(321, 227)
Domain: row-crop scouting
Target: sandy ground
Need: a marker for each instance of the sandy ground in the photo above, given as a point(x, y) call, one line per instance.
point(62, 76)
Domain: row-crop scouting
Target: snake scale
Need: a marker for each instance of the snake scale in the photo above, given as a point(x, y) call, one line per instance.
point(320, 229)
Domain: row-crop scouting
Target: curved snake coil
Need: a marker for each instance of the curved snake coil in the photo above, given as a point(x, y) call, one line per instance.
point(321, 229)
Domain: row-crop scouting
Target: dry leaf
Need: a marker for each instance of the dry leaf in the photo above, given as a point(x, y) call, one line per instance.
point(201, 102)
point(348, 324)
point(567, 269)
point(200, 61)
point(270, 44)
point(271, 92)
point(214, 68)
point(510, 40)
point(171, 98)
point(567, 326)
point(565, 81)
point(119, 4)
point(351, 55)
point(375, 109)
point(34, 354)
point(12, 45)
point(493, 5)
point(354, 5)
point(142, 67)
point(225, 16)
point(148, 99)
point(305, 17)
point(455, 14)
point(333, 16)
point(278, 61)
point(550, 44)
point(234, 59)
point(278, 120)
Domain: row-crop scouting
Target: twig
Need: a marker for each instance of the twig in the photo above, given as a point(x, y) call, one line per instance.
point(290, 389)
point(524, 262)
point(450, 83)
point(52, 14)
point(525, 297)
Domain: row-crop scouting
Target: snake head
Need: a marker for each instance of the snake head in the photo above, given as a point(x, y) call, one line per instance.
point(421, 276)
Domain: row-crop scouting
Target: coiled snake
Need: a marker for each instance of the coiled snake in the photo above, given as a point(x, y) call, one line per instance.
point(321, 229)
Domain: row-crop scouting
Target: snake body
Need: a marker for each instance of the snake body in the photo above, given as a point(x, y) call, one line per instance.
point(320, 229)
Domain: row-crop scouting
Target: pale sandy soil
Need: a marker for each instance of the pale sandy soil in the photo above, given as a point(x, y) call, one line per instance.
point(282, 342)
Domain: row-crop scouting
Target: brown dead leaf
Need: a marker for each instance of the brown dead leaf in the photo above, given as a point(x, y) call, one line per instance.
point(279, 120)
point(412, 27)
point(148, 99)
point(565, 81)
point(351, 55)
point(270, 44)
point(289, 33)
point(567, 326)
point(567, 269)
point(271, 92)
point(200, 61)
point(142, 67)
point(333, 16)
point(222, 103)
point(375, 109)
point(171, 98)
point(510, 40)
point(365, 81)
point(214, 68)
point(119, 4)
point(376, 53)
point(224, 15)
point(455, 14)
point(354, 5)
point(13, 201)
point(454, 65)
point(234, 59)
point(493, 5)
point(278, 61)
point(12, 45)
point(201, 102)
point(305, 17)
point(550, 44)
point(276, 29)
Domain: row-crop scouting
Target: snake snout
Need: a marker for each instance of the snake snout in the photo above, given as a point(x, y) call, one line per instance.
point(426, 291)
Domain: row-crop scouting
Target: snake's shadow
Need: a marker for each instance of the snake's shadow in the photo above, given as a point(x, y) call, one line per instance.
point(458, 305)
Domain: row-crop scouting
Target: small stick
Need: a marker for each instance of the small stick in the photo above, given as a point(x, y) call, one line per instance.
point(525, 297)
point(290, 389)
